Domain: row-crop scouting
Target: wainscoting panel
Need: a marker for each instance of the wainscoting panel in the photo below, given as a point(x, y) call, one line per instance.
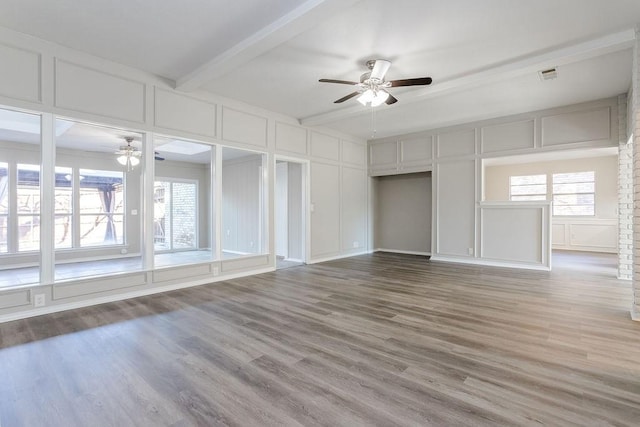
point(181, 112)
point(325, 146)
point(86, 90)
point(291, 139)
point(238, 126)
point(11, 299)
point(20, 73)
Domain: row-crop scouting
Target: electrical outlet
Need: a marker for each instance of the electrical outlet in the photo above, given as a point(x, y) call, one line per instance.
point(216, 271)
point(356, 244)
point(39, 300)
point(470, 251)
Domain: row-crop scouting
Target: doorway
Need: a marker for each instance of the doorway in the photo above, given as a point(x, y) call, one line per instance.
point(290, 212)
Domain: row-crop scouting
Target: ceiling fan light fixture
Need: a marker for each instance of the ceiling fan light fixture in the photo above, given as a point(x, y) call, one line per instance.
point(128, 155)
point(366, 97)
point(379, 98)
point(122, 159)
point(373, 98)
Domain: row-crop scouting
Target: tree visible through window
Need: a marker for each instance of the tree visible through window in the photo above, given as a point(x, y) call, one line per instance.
point(574, 194)
point(528, 187)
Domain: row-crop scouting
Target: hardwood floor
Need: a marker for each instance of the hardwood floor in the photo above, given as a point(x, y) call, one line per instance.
point(372, 340)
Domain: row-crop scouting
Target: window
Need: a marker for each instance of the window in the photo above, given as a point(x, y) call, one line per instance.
point(28, 207)
point(4, 207)
point(63, 206)
point(574, 194)
point(528, 187)
point(175, 215)
point(101, 201)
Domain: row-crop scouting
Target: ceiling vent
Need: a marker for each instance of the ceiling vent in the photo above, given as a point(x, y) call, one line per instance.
point(549, 74)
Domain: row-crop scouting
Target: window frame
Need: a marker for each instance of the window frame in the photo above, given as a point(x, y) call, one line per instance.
point(577, 194)
point(531, 197)
point(172, 181)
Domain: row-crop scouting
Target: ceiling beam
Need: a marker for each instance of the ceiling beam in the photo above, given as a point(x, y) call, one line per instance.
point(301, 19)
point(521, 66)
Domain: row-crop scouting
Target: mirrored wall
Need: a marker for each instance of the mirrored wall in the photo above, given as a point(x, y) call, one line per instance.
point(243, 203)
point(98, 200)
point(183, 202)
point(20, 154)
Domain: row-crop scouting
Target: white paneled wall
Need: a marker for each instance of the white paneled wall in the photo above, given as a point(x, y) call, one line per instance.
point(41, 77)
point(455, 155)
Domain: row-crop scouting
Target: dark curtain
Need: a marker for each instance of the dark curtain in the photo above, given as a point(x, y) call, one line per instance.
point(107, 196)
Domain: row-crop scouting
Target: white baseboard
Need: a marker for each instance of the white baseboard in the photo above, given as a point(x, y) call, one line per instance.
point(128, 295)
point(490, 263)
point(396, 251)
point(332, 258)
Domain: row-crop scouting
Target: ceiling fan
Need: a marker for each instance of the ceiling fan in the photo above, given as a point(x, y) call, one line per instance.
point(372, 87)
point(128, 155)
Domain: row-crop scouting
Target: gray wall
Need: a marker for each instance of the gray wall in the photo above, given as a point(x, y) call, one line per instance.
point(403, 212)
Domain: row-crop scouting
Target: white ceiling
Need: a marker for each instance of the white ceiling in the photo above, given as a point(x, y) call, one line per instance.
point(482, 55)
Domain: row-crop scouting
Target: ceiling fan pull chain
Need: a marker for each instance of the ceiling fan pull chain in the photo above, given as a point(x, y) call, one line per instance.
point(373, 122)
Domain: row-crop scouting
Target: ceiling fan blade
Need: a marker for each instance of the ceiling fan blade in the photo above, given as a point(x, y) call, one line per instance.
point(343, 82)
point(391, 100)
point(380, 69)
point(420, 81)
point(345, 98)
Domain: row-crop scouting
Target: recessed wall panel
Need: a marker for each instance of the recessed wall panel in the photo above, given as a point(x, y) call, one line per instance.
point(416, 150)
point(454, 144)
point(91, 91)
point(238, 126)
point(383, 154)
point(579, 126)
point(353, 153)
point(325, 212)
point(508, 136)
point(180, 112)
point(94, 286)
point(12, 299)
point(20, 73)
point(291, 138)
point(456, 208)
point(354, 209)
point(325, 146)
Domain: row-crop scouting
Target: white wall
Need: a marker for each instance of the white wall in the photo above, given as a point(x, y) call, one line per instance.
point(42, 77)
point(455, 155)
point(597, 233)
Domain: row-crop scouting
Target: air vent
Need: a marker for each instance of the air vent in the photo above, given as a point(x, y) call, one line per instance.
point(549, 74)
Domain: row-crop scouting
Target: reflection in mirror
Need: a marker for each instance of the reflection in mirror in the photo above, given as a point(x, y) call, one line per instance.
point(98, 193)
point(183, 202)
point(242, 203)
point(19, 198)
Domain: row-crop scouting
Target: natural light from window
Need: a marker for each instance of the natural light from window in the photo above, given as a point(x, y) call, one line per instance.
point(574, 194)
point(528, 187)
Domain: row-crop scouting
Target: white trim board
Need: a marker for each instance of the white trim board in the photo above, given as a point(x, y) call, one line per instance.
point(487, 263)
point(128, 295)
point(397, 251)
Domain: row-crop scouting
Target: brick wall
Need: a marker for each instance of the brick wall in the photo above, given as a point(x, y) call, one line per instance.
point(635, 116)
point(625, 195)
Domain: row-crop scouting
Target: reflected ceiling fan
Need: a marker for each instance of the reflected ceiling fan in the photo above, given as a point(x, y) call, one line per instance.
point(372, 87)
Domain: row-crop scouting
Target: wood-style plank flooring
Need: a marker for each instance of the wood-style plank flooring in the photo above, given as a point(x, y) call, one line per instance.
point(372, 340)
